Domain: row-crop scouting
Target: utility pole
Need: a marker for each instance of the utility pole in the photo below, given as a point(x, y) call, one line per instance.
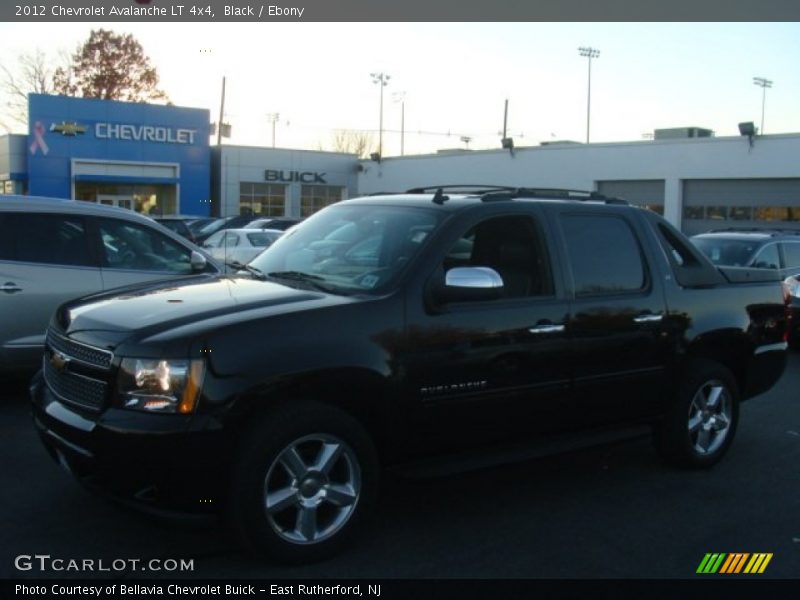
point(401, 98)
point(221, 112)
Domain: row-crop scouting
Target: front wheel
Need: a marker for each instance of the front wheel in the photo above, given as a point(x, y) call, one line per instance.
point(304, 480)
point(699, 425)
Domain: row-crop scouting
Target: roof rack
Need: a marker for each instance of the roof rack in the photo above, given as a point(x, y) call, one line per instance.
point(551, 193)
point(477, 190)
point(494, 193)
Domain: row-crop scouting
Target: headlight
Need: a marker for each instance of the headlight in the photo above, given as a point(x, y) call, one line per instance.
point(160, 386)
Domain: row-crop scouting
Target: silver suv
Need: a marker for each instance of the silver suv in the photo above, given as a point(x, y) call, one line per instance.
point(54, 250)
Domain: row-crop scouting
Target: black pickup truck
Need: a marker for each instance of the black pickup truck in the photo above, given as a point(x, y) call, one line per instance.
point(395, 328)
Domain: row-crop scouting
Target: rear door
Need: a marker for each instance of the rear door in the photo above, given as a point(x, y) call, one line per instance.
point(616, 326)
point(45, 259)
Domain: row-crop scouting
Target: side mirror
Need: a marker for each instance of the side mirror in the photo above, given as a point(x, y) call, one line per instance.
point(463, 284)
point(198, 262)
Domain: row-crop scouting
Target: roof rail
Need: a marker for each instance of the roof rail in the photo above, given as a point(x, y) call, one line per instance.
point(477, 190)
point(551, 193)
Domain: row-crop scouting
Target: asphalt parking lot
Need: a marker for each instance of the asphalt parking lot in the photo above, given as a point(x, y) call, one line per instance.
point(613, 511)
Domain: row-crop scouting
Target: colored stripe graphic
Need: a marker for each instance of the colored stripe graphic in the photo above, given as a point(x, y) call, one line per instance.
point(758, 563)
point(711, 563)
point(734, 563)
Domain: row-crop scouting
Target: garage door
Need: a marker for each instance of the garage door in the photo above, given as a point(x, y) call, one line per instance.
point(759, 203)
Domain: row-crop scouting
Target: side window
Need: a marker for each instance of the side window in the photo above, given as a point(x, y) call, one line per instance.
point(127, 245)
point(604, 255)
point(230, 240)
point(45, 239)
point(767, 258)
point(791, 253)
point(513, 247)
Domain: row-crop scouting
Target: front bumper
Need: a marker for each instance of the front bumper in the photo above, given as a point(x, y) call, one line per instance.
point(162, 462)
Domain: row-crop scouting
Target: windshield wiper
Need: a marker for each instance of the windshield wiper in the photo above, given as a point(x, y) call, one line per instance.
point(258, 273)
point(313, 280)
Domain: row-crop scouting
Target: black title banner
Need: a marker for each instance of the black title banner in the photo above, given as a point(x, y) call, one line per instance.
point(405, 11)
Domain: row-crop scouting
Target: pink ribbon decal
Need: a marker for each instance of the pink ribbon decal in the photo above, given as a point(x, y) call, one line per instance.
point(38, 139)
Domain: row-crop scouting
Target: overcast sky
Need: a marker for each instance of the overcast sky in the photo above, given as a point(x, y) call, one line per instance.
point(456, 77)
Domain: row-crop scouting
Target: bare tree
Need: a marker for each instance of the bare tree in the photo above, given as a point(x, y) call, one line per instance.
point(33, 74)
point(360, 143)
point(110, 66)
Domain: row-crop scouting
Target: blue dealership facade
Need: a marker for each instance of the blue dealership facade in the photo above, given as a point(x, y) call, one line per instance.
point(150, 158)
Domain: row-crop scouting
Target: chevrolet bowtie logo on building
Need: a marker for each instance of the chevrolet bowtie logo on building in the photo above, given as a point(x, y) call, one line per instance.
point(71, 129)
point(733, 564)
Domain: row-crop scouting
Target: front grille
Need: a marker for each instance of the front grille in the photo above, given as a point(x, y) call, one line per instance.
point(74, 388)
point(89, 355)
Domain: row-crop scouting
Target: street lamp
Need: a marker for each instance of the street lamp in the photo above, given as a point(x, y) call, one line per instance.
point(382, 79)
point(273, 118)
point(763, 84)
point(401, 98)
point(590, 53)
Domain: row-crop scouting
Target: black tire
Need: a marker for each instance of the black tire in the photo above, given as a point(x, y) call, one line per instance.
point(317, 504)
point(696, 433)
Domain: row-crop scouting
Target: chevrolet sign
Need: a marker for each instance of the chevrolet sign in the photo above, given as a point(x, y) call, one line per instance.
point(71, 129)
point(144, 133)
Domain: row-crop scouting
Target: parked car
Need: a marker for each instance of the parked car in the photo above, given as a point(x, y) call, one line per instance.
point(179, 224)
point(221, 223)
point(444, 323)
point(240, 245)
point(791, 286)
point(281, 223)
point(54, 250)
point(776, 249)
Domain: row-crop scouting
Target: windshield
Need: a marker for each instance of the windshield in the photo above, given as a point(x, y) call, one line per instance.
point(350, 248)
point(727, 252)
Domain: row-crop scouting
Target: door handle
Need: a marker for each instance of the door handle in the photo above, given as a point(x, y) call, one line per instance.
point(10, 287)
point(547, 328)
point(648, 319)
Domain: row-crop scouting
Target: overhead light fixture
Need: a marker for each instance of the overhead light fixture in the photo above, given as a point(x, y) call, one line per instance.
point(748, 129)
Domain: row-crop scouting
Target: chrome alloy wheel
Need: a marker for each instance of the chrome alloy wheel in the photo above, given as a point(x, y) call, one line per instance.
point(312, 488)
point(710, 417)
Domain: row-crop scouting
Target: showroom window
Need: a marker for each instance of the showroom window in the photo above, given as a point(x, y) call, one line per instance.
point(316, 197)
point(262, 199)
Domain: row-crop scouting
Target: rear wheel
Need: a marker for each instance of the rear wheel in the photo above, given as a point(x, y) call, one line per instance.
point(699, 426)
point(304, 481)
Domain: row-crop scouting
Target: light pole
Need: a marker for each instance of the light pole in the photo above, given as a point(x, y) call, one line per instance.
point(763, 84)
point(273, 118)
point(382, 79)
point(401, 98)
point(590, 53)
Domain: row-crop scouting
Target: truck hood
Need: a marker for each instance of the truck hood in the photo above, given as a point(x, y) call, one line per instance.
point(168, 304)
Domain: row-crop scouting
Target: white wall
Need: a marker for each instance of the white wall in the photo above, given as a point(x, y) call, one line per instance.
point(580, 166)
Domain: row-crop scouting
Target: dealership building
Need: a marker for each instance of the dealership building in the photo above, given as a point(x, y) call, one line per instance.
point(159, 160)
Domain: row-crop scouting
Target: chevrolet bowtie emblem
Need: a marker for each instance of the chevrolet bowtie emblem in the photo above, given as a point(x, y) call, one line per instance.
point(65, 128)
point(59, 361)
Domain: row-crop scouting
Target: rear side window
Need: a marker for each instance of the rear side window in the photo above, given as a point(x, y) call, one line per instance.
point(45, 239)
point(604, 255)
point(791, 253)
